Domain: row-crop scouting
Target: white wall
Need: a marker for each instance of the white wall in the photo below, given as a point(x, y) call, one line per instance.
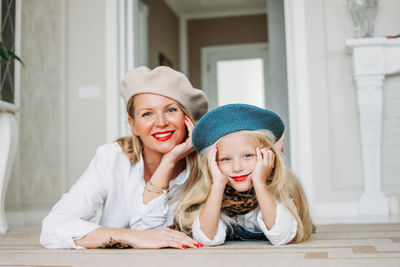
point(391, 136)
point(86, 66)
point(337, 166)
point(36, 181)
point(63, 46)
point(388, 22)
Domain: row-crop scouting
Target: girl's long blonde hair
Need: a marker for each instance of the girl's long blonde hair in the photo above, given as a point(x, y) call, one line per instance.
point(132, 146)
point(284, 186)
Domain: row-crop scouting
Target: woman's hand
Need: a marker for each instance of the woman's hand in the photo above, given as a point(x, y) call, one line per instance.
point(183, 149)
point(264, 166)
point(218, 177)
point(124, 238)
point(161, 238)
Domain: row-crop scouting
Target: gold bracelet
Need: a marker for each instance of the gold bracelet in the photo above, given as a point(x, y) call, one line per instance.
point(159, 187)
point(156, 189)
point(152, 190)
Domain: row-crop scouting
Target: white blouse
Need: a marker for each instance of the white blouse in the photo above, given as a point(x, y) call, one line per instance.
point(110, 182)
point(281, 233)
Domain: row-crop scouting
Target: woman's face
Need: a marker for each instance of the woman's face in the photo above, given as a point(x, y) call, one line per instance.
point(158, 121)
point(236, 159)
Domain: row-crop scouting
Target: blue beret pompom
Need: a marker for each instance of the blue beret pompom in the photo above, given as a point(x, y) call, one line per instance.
point(232, 118)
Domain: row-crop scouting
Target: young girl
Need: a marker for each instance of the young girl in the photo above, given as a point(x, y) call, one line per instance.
point(246, 192)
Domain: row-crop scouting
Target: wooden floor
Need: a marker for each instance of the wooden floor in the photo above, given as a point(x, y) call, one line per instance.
point(332, 245)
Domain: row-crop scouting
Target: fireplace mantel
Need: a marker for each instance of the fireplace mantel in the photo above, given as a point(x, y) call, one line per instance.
point(372, 59)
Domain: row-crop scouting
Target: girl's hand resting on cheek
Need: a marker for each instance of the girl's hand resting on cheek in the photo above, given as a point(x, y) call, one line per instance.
point(264, 166)
point(218, 177)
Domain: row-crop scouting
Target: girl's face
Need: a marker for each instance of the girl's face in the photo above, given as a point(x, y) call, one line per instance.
point(158, 121)
point(236, 159)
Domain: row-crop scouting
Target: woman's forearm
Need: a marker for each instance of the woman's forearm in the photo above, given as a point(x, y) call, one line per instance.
point(209, 216)
point(127, 238)
point(106, 237)
point(160, 178)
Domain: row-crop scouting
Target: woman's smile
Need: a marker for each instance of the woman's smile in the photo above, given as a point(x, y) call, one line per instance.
point(163, 136)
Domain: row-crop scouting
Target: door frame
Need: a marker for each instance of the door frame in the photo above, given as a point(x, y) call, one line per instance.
point(127, 48)
point(210, 55)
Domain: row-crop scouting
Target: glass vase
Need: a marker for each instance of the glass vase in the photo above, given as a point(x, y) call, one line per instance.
point(363, 13)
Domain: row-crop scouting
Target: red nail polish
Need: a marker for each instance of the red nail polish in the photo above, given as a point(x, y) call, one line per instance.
point(197, 245)
point(185, 247)
point(200, 244)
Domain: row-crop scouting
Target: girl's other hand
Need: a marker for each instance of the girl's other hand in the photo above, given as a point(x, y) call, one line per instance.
point(264, 166)
point(217, 176)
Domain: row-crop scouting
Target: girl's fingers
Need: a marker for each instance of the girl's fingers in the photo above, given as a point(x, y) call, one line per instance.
point(271, 157)
point(264, 155)
point(259, 154)
point(212, 155)
point(268, 156)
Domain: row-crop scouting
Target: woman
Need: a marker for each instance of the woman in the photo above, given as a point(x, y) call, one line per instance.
point(136, 180)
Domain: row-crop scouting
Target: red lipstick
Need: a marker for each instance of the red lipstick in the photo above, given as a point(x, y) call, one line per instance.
point(240, 178)
point(163, 136)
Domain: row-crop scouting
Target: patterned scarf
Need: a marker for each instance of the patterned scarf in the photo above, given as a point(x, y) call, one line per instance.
point(236, 203)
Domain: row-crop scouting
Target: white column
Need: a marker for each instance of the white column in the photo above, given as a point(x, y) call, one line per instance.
point(301, 157)
point(369, 93)
point(8, 149)
point(373, 58)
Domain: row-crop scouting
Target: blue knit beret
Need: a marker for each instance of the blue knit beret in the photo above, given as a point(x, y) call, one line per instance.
point(232, 118)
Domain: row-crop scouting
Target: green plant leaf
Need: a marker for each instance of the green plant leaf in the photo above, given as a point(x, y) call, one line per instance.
point(4, 52)
point(12, 55)
point(8, 55)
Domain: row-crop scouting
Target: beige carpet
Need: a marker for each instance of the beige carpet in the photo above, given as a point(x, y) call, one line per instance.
point(332, 245)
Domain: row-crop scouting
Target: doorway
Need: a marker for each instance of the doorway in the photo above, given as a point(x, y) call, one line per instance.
point(235, 74)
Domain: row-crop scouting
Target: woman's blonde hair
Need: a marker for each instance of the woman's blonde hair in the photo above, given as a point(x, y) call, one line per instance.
point(132, 146)
point(283, 185)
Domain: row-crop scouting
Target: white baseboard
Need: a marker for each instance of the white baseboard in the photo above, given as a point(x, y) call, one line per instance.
point(336, 209)
point(334, 212)
point(25, 220)
point(346, 213)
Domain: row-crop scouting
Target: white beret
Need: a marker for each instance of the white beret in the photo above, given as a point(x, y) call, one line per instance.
point(166, 82)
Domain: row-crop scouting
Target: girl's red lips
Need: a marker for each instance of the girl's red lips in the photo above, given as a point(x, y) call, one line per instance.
point(240, 178)
point(163, 136)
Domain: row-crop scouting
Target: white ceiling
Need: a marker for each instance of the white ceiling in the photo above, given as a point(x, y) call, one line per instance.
point(203, 7)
